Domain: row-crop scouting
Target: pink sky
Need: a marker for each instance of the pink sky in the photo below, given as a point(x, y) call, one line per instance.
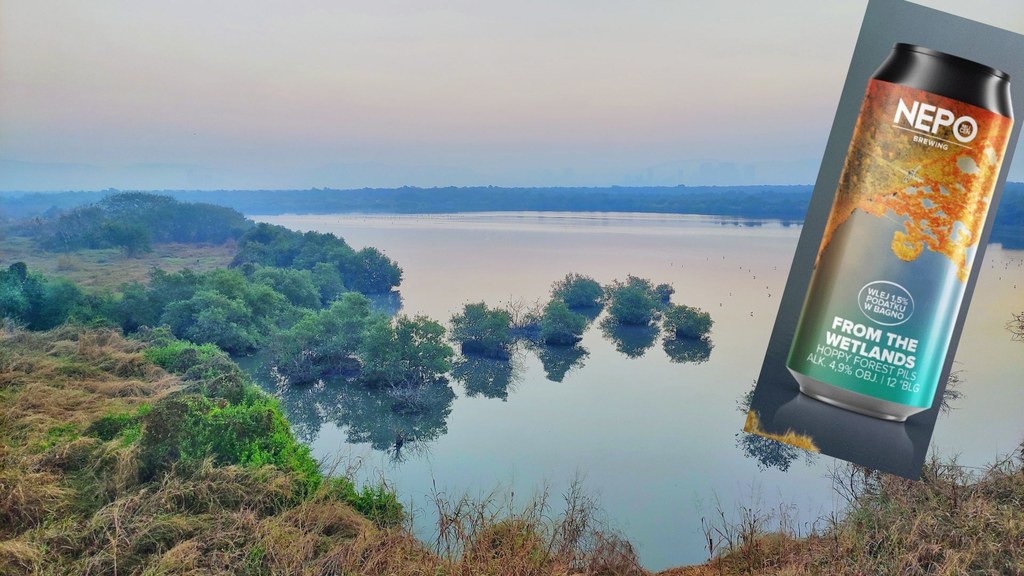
point(260, 94)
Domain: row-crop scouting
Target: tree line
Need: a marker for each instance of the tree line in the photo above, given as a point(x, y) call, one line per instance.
point(302, 299)
point(786, 203)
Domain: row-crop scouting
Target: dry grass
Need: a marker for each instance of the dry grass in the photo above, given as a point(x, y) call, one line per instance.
point(492, 536)
point(108, 268)
point(950, 522)
point(71, 503)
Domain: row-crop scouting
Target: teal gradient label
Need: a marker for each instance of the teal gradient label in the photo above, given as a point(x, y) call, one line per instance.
point(873, 323)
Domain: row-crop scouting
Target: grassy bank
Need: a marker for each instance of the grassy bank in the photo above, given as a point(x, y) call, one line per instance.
point(154, 456)
point(952, 521)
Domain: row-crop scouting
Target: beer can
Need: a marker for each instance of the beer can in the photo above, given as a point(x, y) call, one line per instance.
point(900, 240)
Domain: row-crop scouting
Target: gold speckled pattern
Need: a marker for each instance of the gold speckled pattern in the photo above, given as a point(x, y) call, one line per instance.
point(940, 196)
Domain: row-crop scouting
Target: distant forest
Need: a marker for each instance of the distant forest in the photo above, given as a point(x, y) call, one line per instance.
point(787, 203)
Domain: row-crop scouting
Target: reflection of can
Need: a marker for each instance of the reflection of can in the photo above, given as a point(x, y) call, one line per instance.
point(901, 237)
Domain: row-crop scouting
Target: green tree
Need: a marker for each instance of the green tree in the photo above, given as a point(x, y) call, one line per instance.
point(482, 330)
point(14, 293)
point(578, 291)
point(134, 221)
point(561, 326)
point(687, 322)
point(211, 317)
point(368, 271)
point(374, 273)
point(406, 352)
point(328, 281)
point(58, 298)
point(132, 238)
point(136, 309)
point(664, 292)
point(297, 286)
point(323, 342)
point(633, 302)
point(38, 302)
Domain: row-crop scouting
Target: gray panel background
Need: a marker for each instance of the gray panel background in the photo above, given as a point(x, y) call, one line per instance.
point(891, 447)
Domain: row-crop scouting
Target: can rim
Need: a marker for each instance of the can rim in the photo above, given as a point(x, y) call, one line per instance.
point(955, 59)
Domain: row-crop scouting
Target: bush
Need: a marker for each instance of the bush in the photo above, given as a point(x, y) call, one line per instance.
point(322, 342)
point(687, 322)
point(40, 303)
point(212, 317)
point(127, 425)
point(378, 503)
point(368, 271)
point(187, 428)
point(408, 352)
point(178, 355)
point(561, 326)
point(578, 291)
point(208, 370)
point(482, 330)
point(634, 302)
point(297, 286)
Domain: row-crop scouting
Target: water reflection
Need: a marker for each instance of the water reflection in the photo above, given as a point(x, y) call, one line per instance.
point(558, 361)
point(394, 421)
point(768, 453)
point(590, 313)
point(401, 420)
point(487, 377)
point(688, 350)
point(302, 405)
point(633, 341)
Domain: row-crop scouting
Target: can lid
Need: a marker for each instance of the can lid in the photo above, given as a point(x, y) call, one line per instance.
point(954, 59)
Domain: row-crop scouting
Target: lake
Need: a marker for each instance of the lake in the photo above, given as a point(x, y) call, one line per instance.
point(653, 431)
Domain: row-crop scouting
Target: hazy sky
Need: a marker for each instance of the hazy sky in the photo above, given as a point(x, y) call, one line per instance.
point(327, 93)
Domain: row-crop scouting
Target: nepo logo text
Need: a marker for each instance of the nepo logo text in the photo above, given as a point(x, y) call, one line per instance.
point(929, 118)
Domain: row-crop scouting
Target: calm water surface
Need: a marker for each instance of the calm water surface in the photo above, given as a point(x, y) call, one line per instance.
point(652, 431)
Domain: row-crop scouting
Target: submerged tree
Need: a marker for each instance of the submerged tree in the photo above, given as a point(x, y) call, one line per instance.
point(634, 302)
point(323, 342)
point(561, 326)
point(664, 292)
point(404, 352)
point(578, 291)
point(687, 322)
point(483, 331)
